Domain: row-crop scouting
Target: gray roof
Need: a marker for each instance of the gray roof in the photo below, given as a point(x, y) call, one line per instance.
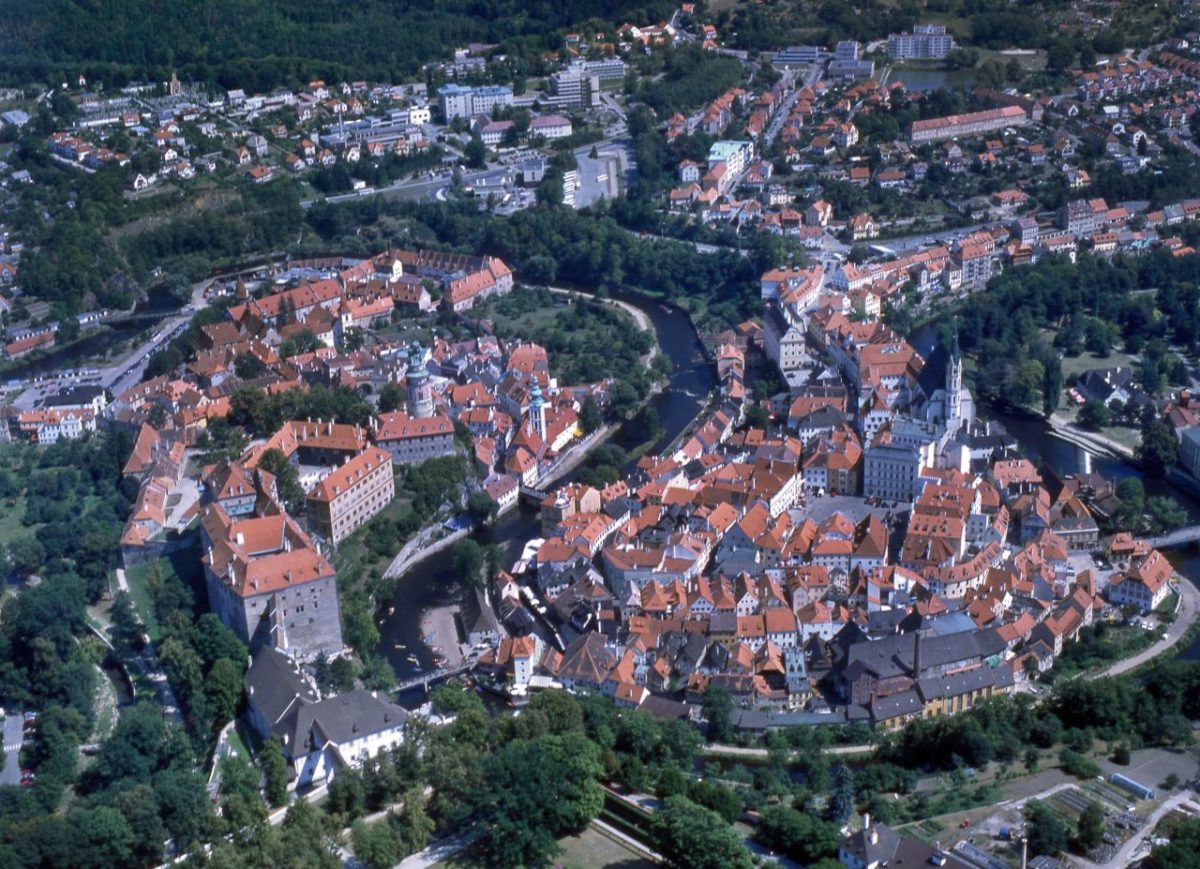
point(274, 687)
point(954, 684)
point(873, 846)
point(893, 655)
point(338, 720)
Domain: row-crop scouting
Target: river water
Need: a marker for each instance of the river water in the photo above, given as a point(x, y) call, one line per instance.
point(432, 582)
point(96, 344)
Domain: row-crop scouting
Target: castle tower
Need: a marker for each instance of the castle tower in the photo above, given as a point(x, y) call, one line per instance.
point(537, 410)
point(173, 86)
point(420, 390)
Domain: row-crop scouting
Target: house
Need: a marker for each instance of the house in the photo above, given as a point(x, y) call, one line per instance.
point(1144, 585)
point(820, 213)
point(319, 736)
point(863, 226)
point(876, 845)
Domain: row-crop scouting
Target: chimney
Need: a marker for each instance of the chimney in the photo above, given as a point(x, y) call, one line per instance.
point(874, 836)
point(916, 654)
point(1024, 853)
point(866, 821)
point(240, 539)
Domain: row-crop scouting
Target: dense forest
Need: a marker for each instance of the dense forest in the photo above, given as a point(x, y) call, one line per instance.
point(261, 44)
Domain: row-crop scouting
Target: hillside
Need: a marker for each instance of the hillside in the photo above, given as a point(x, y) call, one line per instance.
point(259, 44)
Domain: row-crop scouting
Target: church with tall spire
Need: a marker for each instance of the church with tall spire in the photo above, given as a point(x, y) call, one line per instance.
point(951, 407)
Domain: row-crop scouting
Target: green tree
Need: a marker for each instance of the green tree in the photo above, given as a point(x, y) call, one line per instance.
point(534, 792)
point(1044, 832)
point(475, 153)
point(802, 837)
point(841, 795)
point(590, 417)
point(1094, 415)
point(274, 769)
point(1089, 832)
point(688, 835)
point(1158, 448)
point(1183, 850)
point(466, 562)
point(717, 706)
point(391, 398)
point(413, 824)
point(287, 479)
point(223, 688)
point(247, 366)
point(377, 844)
point(481, 506)
point(126, 628)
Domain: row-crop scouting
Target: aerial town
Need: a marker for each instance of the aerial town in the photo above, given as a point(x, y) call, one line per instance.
point(719, 434)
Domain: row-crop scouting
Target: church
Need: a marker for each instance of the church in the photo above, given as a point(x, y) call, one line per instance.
point(950, 406)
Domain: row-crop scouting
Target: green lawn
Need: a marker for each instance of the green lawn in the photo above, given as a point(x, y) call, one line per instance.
point(510, 319)
point(1074, 365)
point(592, 848)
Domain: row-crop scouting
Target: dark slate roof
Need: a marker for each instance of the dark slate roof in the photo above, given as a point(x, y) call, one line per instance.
point(954, 684)
point(74, 396)
point(478, 616)
point(274, 687)
point(893, 655)
point(339, 720)
point(893, 705)
point(757, 719)
point(873, 847)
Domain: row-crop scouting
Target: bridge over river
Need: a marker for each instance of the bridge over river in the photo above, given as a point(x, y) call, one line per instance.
point(1177, 538)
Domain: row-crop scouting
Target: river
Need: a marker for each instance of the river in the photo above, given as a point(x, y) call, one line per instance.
point(97, 343)
point(432, 583)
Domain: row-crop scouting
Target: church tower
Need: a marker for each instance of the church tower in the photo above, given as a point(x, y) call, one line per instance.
point(954, 377)
point(537, 411)
point(420, 390)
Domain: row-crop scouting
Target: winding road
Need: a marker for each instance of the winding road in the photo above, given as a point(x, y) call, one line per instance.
point(1185, 616)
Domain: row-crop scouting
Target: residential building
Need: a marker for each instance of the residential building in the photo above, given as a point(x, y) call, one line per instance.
point(972, 124)
point(319, 736)
point(351, 495)
point(927, 41)
point(412, 440)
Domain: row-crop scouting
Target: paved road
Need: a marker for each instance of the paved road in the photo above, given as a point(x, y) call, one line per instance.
point(14, 731)
point(441, 850)
point(1189, 604)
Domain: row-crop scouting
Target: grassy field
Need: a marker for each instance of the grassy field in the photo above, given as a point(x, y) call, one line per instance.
point(589, 850)
point(592, 848)
point(1125, 435)
point(528, 323)
point(1076, 365)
